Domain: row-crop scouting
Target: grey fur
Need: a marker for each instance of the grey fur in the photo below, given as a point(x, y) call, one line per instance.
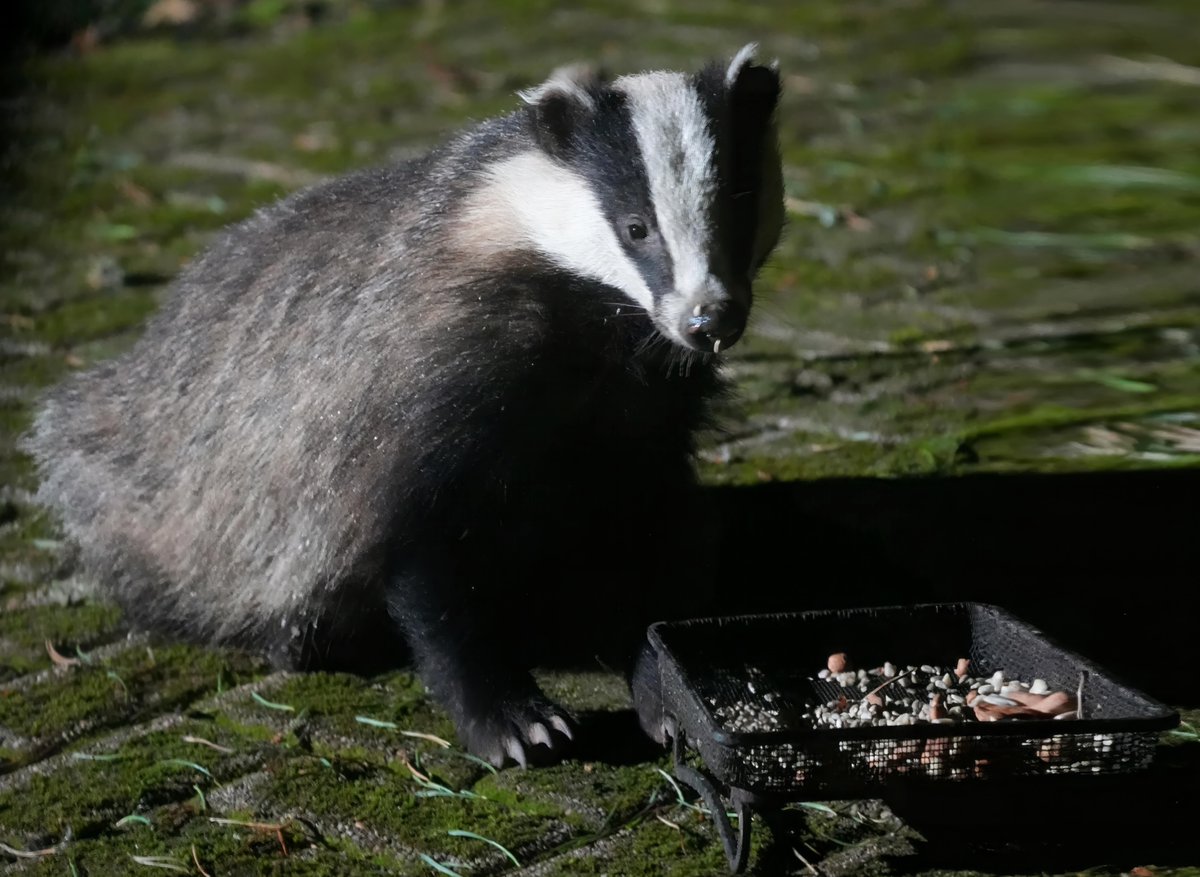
point(331, 386)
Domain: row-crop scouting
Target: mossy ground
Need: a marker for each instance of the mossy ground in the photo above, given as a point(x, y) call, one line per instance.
point(991, 266)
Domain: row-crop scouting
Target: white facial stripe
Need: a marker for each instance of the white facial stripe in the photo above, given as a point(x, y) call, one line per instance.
point(673, 137)
point(529, 201)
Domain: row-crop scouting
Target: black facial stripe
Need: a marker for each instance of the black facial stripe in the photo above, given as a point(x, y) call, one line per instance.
point(739, 120)
point(604, 151)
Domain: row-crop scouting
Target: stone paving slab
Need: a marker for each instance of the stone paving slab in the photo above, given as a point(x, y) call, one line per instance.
point(990, 267)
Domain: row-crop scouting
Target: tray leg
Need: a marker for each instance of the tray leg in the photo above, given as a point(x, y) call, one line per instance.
point(737, 848)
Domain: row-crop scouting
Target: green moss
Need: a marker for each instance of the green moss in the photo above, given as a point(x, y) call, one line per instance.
point(24, 633)
point(386, 801)
point(132, 685)
point(603, 796)
point(226, 849)
point(992, 238)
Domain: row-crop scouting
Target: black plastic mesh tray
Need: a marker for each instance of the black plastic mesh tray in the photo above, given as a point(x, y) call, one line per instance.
point(710, 667)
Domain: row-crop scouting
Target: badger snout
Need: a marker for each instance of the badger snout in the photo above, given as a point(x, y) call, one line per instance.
point(715, 326)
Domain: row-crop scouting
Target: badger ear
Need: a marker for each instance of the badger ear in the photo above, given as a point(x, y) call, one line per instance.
point(561, 103)
point(752, 85)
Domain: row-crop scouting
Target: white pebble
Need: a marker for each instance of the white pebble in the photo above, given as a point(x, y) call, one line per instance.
point(997, 679)
point(824, 674)
point(889, 669)
point(986, 688)
point(1039, 686)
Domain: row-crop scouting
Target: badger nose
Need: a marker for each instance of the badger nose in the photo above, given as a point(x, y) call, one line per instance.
point(715, 326)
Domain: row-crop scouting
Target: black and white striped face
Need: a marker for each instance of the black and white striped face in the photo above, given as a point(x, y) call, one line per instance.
point(664, 185)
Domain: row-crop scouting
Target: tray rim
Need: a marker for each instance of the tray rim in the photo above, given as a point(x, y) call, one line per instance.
point(1163, 719)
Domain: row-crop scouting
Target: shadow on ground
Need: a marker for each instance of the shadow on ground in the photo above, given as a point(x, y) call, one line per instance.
point(1076, 555)
point(1102, 562)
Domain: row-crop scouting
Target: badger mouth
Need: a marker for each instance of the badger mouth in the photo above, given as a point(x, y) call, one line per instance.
point(715, 326)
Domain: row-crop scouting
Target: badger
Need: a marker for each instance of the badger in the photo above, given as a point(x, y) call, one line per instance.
point(452, 399)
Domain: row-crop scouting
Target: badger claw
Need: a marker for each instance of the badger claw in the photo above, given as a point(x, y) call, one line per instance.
point(523, 730)
point(516, 751)
point(538, 735)
point(560, 725)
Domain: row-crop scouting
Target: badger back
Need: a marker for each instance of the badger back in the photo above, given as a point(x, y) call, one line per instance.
point(244, 458)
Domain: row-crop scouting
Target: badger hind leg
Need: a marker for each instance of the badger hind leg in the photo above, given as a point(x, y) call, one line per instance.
point(472, 664)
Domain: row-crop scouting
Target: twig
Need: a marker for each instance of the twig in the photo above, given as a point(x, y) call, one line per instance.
point(160, 862)
point(878, 688)
point(665, 821)
point(374, 723)
point(812, 869)
point(199, 867)
point(256, 826)
point(1079, 695)
point(28, 854)
point(433, 738)
point(58, 658)
point(188, 738)
point(417, 775)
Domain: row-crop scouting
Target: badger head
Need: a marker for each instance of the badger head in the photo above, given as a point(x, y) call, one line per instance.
point(664, 185)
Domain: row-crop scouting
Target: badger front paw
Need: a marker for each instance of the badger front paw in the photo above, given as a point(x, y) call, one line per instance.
point(529, 729)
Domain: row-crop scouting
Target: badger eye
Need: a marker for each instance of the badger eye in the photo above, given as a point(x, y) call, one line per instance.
point(636, 229)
